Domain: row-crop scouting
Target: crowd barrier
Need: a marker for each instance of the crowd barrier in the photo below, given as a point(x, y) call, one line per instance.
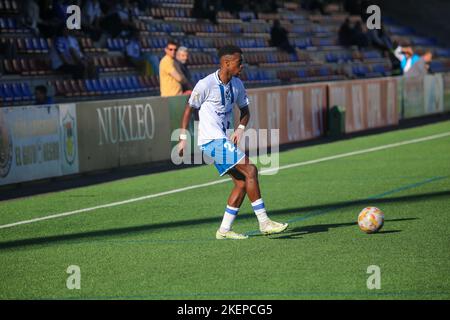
point(368, 103)
point(39, 142)
point(424, 96)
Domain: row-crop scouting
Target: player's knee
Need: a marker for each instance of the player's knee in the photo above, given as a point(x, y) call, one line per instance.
point(252, 171)
point(240, 185)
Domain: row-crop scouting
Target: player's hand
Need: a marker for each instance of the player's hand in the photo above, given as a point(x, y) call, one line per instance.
point(181, 147)
point(237, 135)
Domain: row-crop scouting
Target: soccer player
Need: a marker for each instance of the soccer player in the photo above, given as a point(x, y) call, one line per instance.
point(214, 96)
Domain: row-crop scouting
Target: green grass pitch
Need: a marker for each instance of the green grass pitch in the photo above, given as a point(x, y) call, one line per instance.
point(164, 247)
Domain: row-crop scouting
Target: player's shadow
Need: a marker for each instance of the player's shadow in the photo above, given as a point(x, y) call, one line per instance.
point(299, 232)
point(304, 211)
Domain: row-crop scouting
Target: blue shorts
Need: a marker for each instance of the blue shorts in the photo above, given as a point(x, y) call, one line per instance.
point(224, 153)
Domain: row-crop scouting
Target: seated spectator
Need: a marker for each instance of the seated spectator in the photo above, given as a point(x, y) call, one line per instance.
point(359, 37)
point(345, 33)
point(279, 37)
point(50, 20)
point(31, 17)
point(140, 60)
point(379, 39)
point(181, 59)
point(119, 19)
point(66, 56)
point(205, 9)
point(40, 93)
point(91, 17)
point(170, 79)
point(412, 64)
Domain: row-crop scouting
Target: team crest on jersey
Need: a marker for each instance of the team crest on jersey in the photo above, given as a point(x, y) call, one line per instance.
point(195, 97)
point(69, 139)
point(6, 147)
point(228, 94)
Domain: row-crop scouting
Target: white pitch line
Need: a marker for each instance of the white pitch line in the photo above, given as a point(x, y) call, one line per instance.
point(293, 165)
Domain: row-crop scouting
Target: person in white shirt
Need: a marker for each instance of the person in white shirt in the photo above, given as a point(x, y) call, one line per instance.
point(214, 96)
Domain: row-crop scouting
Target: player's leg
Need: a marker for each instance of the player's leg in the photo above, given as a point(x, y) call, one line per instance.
point(238, 193)
point(234, 203)
point(250, 172)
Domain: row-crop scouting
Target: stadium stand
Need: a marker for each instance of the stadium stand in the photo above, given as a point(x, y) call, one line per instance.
point(319, 57)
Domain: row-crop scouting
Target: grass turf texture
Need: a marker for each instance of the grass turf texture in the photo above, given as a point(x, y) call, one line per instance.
point(164, 248)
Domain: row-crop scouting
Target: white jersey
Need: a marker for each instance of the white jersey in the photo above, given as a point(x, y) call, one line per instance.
point(215, 102)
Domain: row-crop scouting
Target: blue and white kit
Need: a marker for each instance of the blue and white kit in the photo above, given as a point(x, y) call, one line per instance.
point(215, 102)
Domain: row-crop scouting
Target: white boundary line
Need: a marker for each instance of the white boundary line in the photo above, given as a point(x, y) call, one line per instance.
point(155, 195)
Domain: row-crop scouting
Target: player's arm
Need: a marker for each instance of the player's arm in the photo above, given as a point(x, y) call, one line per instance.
point(183, 132)
point(242, 102)
point(243, 121)
point(196, 99)
point(176, 75)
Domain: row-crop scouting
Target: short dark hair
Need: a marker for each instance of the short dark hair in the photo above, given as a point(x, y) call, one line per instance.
point(229, 50)
point(171, 42)
point(41, 88)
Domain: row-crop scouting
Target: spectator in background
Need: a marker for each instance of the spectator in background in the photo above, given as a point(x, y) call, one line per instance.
point(181, 59)
point(135, 56)
point(119, 19)
point(345, 33)
point(205, 9)
point(66, 55)
point(91, 17)
point(412, 64)
point(359, 37)
point(279, 37)
point(169, 78)
point(40, 93)
point(379, 39)
point(31, 17)
point(49, 23)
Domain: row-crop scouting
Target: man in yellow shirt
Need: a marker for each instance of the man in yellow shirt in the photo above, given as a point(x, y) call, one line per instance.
point(169, 78)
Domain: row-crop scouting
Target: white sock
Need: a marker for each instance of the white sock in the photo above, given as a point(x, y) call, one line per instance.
point(260, 211)
point(228, 218)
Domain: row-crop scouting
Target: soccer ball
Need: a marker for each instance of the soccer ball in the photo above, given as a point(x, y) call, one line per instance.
point(370, 220)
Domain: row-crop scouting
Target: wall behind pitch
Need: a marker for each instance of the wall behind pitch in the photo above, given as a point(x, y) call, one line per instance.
point(119, 133)
point(423, 95)
point(446, 81)
point(37, 142)
point(368, 103)
point(297, 111)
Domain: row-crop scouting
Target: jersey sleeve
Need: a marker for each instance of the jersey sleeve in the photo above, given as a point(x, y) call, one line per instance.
point(398, 53)
point(242, 98)
point(198, 95)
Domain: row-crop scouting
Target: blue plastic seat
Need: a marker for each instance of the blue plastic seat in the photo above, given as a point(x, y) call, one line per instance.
point(302, 73)
point(324, 71)
point(123, 85)
point(136, 84)
point(97, 87)
point(25, 88)
point(89, 86)
point(103, 88)
point(115, 85)
point(110, 86)
point(17, 92)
